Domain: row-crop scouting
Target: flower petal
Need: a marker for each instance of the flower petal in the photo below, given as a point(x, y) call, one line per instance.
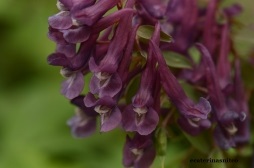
point(56, 36)
point(128, 120)
point(67, 3)
point(128, 156)
point(150, 122)
point(77, 35)
point(90, 100)
point(193, 128)
point(113, 87)
point(94, 85)
point(93, 65)
point(154, 7)
point(79, 102)
point(82, 127)
point(90, 15)
point(201, 109)
point(147, 159)
point(112, 121)
point(222, 138)
point(58, 59)
point(73, 86)
point(69, 50)
point(62, 20)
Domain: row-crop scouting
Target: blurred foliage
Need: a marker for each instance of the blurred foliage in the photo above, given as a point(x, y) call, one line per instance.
point(33, 133)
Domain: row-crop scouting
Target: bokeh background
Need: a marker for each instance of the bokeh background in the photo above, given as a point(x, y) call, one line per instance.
point(33, 113)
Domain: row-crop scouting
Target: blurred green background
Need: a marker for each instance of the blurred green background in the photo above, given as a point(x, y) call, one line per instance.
point(33, 113)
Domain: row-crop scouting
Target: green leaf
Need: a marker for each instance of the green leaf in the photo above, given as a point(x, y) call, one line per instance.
point(145, 32)
point(176, 60)
point(195, 54)
point(132, 89)
point(246, 75)
point(199, 142)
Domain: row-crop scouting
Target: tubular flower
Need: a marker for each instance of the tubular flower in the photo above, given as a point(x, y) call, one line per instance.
point(83, 123)
point(228, 117)
point(106, 107)
point(138, 152)
point(195, 114)
point(140, 115)
point(105, 80)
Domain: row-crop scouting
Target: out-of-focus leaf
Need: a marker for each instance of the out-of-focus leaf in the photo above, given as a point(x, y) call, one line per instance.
point(161, 141)
point(247, 74)
point(195, 54)
point(176, 60)
point(132, 89)
point(199, 142)
point(190, 90)
point(146, 31)
point(177, 150)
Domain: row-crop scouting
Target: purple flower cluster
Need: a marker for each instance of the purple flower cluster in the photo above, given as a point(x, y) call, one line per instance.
point(101, 38)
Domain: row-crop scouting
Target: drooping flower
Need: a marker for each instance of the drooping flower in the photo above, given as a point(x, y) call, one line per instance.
point(83, 123)
point(105, 81)
point(227, 118)
point(73, 65)
point(183, 14)
point(92, 38)
point(90, 15)
point(138, 152)
point(223, 64)
point(140, 116)
point(107, 108)
point(194, 113)
point(155, 8)
point(240, 105)
point(210, 33)
point(73, 86)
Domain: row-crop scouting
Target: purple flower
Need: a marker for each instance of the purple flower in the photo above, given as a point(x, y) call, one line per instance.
point(90, 15)
point(110, 19)
point(193, 126)
point(216, 96)
point(183, 14)
point(138, 152)
point(73, 86)
point(67, 56)
point(228, 118)
point(223, 64)
point(123, 69)
point(103, 38)
point(108, 110)
point(83, 123)
point(233, 10)
point(73, 65)
point(210, 39)
point(155, 8)
point(68, 5)
point(105, 81)
point(140, 116)
point(194, 113)
point(242, 135)
point(61, 20)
